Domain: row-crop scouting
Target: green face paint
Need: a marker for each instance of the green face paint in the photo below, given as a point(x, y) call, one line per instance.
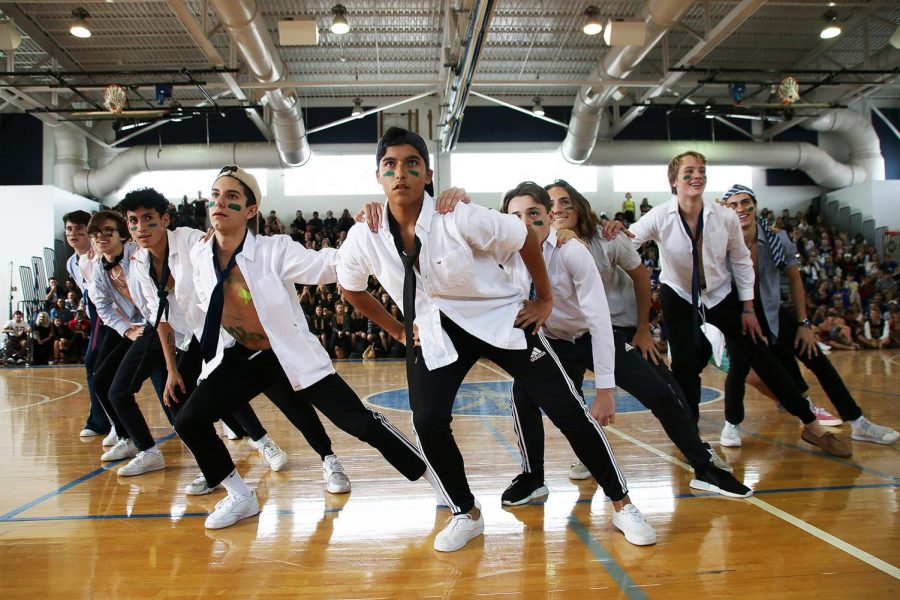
point(413, 173)
point(686, 178)
point(244, 294)
point(152, 224)
point(211, 203)
point(538, 223)
point(387, 174)
point(569, 208)
point(235, 207)
point(134, 229)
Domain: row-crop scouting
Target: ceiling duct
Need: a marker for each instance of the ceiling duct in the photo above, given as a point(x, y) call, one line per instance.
point(248, 29)
point(617, 63)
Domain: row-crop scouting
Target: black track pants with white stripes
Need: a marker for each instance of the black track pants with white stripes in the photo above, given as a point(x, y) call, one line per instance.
point(535, 367)
point(244, 374)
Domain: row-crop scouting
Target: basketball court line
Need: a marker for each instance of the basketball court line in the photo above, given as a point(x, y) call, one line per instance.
point(73, 483)
point(826, 537)
point(46, 399)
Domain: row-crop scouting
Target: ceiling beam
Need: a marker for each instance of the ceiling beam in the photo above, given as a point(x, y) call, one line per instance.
point(39, 36)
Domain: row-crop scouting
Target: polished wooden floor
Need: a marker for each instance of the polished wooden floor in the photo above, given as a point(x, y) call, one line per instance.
point(817, 527)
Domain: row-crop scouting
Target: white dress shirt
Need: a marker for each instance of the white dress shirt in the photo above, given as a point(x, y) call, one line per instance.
point(579, 302)
point(271, 266)
point(459, 275)
point(613, 259)
point(721, 236)
point(116, 310)
point(184, 313)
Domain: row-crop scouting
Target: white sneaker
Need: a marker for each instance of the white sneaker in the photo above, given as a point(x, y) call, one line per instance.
point(231, 509)
point(88, 433)
point(122, 450)
point(868, 431)
point(144, 462)
point(731, 436)
point(458, 531)
point(579, 471)
point(336, 481)
point(719, 462)
point(111, 438)
point(275, 456)
point(229, 433)
point(198, 487)
point(631, 522)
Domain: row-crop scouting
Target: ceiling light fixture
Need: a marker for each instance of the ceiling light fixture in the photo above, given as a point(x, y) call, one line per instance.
point(339, 24)
point(357, 107)
point(831, 29)
point(592, 25)
point(79, 27)
point(537, 109)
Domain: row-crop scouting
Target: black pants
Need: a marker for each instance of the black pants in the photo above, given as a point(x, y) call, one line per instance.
point(97, 419)
point(652, 385)
point(787, 355)
point(536, 367)
point(244, 374)
point(110, 355)
point(690, 358)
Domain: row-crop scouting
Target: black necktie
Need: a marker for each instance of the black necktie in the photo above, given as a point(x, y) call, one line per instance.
point(409, 300)
point(209, 341)
point(163, 294)
point(695, 272)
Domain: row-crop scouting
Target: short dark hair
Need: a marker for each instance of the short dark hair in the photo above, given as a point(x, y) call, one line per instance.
point(109, 215)
point(144, 198)
point(527, 188)
point(79, 217)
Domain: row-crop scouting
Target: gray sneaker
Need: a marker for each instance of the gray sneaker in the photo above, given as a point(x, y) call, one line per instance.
point(336, 481)
point(867, 431)
point(719, 462)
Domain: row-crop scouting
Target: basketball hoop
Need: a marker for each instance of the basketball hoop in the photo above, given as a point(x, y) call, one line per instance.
point(789, 90)
point(115, 98)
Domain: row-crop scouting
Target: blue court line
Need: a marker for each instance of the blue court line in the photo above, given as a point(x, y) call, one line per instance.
point(279, 512)
point(820, 454)
point(289, 512)
point(607, 562)
point(72, 484)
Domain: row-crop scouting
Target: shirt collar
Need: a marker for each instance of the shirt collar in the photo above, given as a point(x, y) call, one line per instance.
point(248, 251)
point(672, 207)
point(551, 240)
point(426, 214)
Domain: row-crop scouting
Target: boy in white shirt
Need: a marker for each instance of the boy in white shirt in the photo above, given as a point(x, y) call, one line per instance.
point(698, 242)
point(245, 284)
point(443, 273)
point(582, 332)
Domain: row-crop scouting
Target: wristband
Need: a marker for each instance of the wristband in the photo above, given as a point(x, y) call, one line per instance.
point(806, 323)
point(749, 312)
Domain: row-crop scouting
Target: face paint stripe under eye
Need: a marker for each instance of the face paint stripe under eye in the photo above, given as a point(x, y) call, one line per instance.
point(235, 207)
point(388, 174)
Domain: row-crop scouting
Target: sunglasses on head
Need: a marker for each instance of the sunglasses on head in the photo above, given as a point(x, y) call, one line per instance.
point(229, 169)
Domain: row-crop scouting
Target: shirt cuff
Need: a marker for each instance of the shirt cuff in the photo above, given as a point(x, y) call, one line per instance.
point(604, 381)
point(745, 294)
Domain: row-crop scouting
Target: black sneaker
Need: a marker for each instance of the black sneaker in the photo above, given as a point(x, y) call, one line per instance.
point(523, 488)
point(721, 482)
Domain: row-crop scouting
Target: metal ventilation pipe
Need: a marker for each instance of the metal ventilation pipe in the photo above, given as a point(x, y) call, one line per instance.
point(105, 180)
point(584, 126)
point(861, 138)
point(71, 157)
point(250, 33)
point(815, 162)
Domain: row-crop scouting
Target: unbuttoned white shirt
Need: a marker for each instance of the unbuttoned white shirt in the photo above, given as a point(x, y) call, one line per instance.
point(116, 310)
point(271, 266)
point(579, 302)
point(722, 237)
point(184, 313)
point(459, 275)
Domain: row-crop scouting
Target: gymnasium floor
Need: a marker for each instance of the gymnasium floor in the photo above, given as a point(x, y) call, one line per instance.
point(817, 527)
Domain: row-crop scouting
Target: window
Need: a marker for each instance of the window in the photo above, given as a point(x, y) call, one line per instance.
point(501, 171)
point(639, 179)
point(175, 184)
point(333, 175)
